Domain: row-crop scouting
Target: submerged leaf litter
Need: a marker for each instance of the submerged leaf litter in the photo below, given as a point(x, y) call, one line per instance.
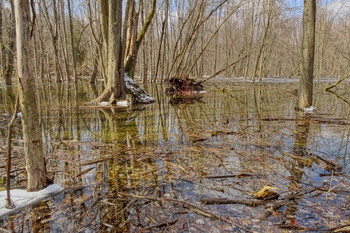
point(191, 166)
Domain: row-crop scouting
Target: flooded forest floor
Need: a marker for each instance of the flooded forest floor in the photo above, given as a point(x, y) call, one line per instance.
point(188, 165)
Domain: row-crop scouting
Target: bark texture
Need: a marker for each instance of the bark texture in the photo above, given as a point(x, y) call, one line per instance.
point(133, 41)
point(33, 149)
point(111, 24)
point(308, 52)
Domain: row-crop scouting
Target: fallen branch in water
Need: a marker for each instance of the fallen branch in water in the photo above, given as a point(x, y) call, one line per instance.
point(93, 162)
point(189, 206)
point(225, 201)
point(165, 224)
point(337, 121)
point(240, 175)
point(332, 174)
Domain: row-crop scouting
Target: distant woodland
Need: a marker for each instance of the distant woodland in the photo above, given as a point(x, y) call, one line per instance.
point(232, 38)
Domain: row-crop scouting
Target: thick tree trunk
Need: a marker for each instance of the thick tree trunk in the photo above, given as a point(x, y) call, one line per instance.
point(117, 84)
point(115, 52)
point(33, 148)
point(111, 23)
point(307, 60)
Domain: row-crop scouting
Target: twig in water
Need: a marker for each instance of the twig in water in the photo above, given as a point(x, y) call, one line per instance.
point(161, 225)
point(190, 206)
point(225, 201)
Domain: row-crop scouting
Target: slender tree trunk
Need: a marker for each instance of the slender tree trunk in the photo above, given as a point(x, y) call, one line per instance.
point(74, 65)
point(33, 148)
point(53, 29)
point(93, 75)
point(64, 40)
point(307, 60)
point(12, 46)
point(2, 44)
point(164, 28)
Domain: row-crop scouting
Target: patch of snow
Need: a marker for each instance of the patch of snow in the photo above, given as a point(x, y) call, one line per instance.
point(21, 198)
point(123, 103)
point(19, 114)
point(310, 109)
point(103, 103)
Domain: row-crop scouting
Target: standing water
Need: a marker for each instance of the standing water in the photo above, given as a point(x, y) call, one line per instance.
point(182, 165)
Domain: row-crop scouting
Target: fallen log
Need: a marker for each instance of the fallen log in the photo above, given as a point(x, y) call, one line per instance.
point(225, 201)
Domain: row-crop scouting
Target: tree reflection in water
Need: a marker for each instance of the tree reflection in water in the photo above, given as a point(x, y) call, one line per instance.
point(166, 150)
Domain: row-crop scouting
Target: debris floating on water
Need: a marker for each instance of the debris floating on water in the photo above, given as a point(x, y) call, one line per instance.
point(266, 193)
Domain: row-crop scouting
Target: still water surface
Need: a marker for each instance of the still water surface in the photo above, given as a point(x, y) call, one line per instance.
point(173, 149)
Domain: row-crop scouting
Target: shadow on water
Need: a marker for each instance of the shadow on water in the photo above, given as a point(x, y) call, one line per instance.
point(123, 168)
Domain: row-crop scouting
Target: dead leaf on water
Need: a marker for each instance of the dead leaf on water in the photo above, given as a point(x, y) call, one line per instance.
point(267, 192)
point(344, 229)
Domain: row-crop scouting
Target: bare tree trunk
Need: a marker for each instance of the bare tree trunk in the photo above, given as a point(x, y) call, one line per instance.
point(74, 65)
point(164, 28)
point(7, 51)
point(53, 29)
point(259, 60)
point(93, 75)
point(2, 44)
point(130, 62)
point(307, 60)
point(144, 70)
point(33, 148)
point(112, 36)
point(64, 40)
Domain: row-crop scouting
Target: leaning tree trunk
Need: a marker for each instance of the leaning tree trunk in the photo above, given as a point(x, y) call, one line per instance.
point(307, 60)
point(33, 148)
point(134, 42)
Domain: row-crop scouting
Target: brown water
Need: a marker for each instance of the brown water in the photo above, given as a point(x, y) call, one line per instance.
point(172, 151)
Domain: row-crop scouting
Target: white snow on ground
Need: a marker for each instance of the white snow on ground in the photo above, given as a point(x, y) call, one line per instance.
point(123, 103)
point(310, 109)
point(21, 198)
point(104, 103)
